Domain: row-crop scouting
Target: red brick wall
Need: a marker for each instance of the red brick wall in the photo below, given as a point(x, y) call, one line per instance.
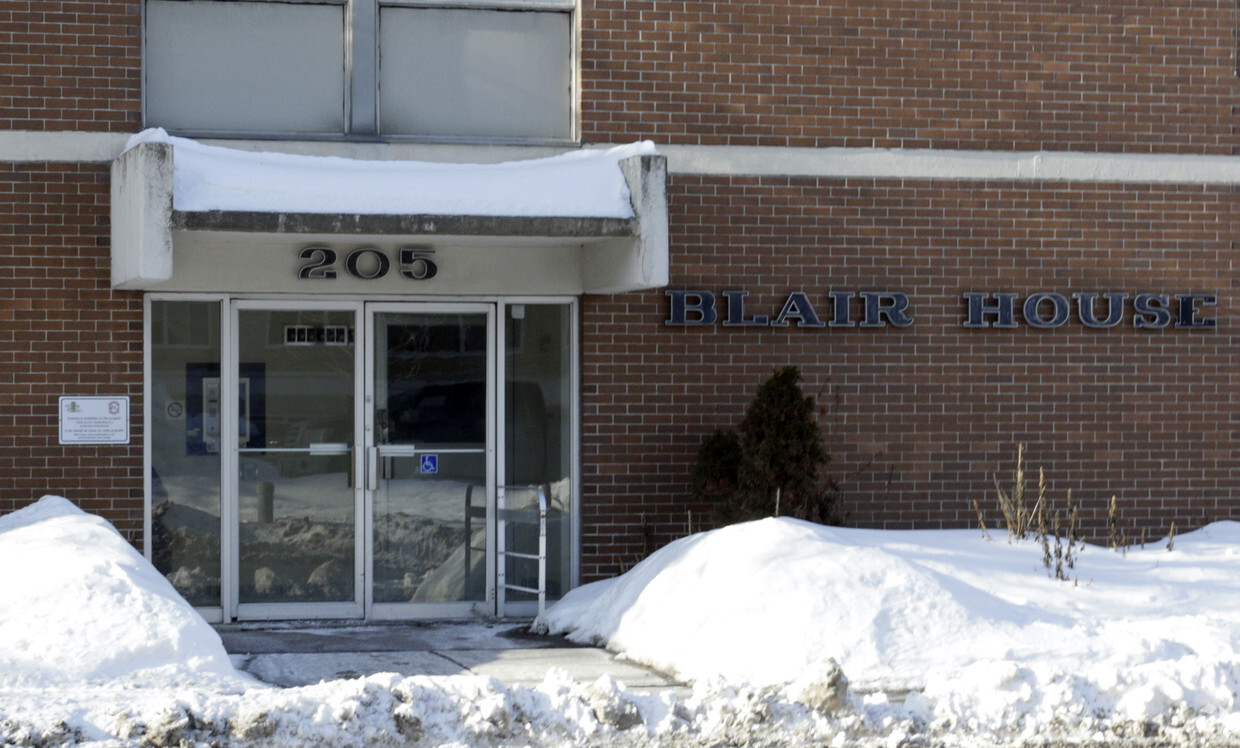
point(1126, 75)
point(63, 331)
point(921, 420)
point(70, 65)
point(1134, 75)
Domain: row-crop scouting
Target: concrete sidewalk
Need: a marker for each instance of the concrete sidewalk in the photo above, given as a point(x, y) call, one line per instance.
point(295, 654)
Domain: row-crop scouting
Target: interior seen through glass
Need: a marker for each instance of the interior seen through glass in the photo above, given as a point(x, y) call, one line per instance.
point(185, 447)
point(296, 518)
point(295, 485)
point(430, 506)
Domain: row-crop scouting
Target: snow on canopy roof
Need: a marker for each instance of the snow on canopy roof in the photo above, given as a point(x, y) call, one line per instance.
point(584, 183)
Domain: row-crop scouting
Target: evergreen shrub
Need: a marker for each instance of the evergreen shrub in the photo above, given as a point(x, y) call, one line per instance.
point(773, 463)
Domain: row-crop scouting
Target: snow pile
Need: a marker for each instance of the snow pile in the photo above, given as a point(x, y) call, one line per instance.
point(975, 631)
point(96, 648)
point(79, 605)
point(791, 633)
point(584, 183)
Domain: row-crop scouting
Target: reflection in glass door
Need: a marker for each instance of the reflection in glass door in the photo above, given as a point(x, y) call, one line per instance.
point(430, 467)
point(297, 522)
point(378, 460)
point(185, 457)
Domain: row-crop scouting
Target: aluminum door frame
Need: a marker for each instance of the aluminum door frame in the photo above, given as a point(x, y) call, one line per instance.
point(427, 610)
point(230, 499)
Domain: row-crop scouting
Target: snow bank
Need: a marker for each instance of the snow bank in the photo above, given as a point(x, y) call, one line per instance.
point(79, 605)
point(975, 631)
point(791, 633)
point(98, 649)
point(583, 183)
point(761, 602)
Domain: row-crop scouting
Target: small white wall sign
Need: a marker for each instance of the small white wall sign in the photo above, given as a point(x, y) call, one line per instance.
point(94, 420)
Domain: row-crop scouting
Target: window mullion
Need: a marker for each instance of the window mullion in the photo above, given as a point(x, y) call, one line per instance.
point(363, 67)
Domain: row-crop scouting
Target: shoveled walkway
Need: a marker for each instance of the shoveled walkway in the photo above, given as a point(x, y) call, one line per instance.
point(294, 654)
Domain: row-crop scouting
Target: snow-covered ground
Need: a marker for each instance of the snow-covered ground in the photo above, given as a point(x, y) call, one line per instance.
point(791, 634)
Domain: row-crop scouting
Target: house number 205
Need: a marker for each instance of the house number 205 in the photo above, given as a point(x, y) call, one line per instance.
point(367, 263)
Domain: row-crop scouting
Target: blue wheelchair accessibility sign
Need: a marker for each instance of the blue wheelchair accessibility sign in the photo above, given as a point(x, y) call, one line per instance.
point(430, 464)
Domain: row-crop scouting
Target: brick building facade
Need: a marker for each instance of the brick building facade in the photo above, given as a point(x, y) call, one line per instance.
point(918, 150)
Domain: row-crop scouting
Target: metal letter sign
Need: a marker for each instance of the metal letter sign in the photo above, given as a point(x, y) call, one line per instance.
point(697, 308)
point(366, 263)
point(1050, 310)
point(1047, 310)
point(430, 464)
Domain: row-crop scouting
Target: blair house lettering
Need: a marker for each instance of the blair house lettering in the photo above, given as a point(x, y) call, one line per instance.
point(1044, 309)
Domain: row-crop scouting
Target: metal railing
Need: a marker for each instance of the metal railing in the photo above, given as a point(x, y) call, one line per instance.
point(525, 517)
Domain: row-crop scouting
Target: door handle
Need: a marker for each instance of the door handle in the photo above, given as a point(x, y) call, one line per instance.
point(372, 468)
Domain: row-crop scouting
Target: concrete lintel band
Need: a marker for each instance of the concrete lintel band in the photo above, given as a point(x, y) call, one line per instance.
point(1006, 166)
point(18, 146)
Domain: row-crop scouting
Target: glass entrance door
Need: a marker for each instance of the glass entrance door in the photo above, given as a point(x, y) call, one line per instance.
point(358, 449)
point(430, 418)
point(295, 520)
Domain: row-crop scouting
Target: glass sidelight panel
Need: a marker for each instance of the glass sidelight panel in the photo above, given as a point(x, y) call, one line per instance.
point(430, 464)
point(538, 426)
point(297, 533)
point(185, 447)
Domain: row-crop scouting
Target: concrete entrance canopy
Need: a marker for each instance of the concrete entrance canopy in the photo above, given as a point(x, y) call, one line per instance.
point(192, 217)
